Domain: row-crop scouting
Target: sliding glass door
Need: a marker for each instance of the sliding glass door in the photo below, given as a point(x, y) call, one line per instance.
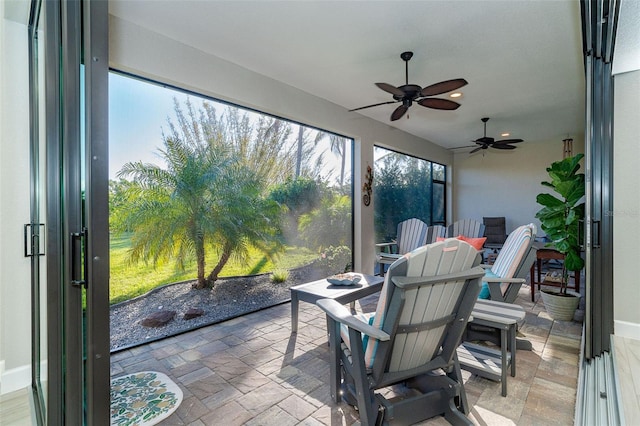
point(67, 238)
point(34, 232)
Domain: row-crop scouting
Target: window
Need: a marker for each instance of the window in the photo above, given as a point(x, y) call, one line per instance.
point(298, 179)
point(406, 187)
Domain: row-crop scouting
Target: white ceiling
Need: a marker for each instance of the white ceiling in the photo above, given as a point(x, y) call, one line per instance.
point(522, 59)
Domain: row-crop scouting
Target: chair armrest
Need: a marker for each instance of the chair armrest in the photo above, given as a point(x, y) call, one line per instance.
point(392, 243)
point(485, 266)
point(408, 282)
point(495, 287)
point(341, 314)
point(386, 248)
point(393, 256)
point(504, 280)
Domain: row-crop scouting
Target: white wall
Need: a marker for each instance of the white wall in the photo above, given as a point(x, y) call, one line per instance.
point(626, 205)
point(15, 326)
point(147, 54)
point(505, 183)
point(626, 174)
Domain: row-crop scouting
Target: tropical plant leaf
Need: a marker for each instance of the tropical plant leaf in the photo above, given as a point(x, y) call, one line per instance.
point(549, 200)
point(573, 262)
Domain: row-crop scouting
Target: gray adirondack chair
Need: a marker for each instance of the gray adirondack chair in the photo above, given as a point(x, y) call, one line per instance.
point(509, 271)
point(468, 227)
point(421, 314)
point(411, 234)
point(503, 279)
point(434, 232)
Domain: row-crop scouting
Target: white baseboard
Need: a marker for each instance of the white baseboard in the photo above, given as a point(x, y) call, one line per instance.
point(626, 329)
point(14, 379)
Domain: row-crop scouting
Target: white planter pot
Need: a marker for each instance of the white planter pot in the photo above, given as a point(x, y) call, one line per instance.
point(560, 308)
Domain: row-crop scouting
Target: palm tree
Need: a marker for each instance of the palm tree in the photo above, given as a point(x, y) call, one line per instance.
point(204, 198)
point(309, 162)
point(338, 146)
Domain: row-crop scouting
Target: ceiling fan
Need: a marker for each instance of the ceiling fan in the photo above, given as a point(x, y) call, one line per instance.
point(487, 142)
point(408, 93)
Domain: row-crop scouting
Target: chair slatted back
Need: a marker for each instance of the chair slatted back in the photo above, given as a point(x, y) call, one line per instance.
point(420, 316)
point(468, 227)
point(412, 233)
point(435, 231)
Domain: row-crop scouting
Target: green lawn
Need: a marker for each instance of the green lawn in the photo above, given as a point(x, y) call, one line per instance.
point(130, 280)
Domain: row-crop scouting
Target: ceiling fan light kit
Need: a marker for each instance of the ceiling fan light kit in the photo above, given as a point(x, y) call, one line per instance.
point(410, 93)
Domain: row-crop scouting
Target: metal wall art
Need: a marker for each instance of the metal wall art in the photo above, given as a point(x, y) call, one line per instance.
point(366, 188)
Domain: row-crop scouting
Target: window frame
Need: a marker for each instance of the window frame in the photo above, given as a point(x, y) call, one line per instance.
point(433, 182)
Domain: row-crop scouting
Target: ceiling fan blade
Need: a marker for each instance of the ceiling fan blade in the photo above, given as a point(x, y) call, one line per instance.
point(473, 151)
point(369, 106)
point(501, 146)
point(437, 103)
point(484, 140)
point(390, 89)
point(399, 112)
point(462, 147)
point(443, 87)
point(503, 141)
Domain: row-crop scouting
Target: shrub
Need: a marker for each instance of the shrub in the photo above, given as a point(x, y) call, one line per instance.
point(329, 225)
point(336, 260)
point(279, 276)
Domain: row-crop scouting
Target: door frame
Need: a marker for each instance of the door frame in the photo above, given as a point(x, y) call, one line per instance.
point(96, 54)
point(77, 231)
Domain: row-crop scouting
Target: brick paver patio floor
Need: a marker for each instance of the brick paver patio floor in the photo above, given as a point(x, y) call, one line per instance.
point(252, 371)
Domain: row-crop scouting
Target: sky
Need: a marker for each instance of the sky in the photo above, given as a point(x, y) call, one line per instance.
point(138, 113)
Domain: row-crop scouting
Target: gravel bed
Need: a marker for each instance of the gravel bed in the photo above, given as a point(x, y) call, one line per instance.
point(230, 297)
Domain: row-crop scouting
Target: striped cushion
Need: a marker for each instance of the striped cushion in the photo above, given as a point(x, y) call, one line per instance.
point(378, 317)
point(513, 250)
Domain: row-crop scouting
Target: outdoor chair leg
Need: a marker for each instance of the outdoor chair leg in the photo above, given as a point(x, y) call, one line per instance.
point(334, 353)
point(367, 406)
point(456, 374)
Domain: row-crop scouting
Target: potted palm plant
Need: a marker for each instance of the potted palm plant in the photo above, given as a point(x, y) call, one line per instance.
point(560, 218)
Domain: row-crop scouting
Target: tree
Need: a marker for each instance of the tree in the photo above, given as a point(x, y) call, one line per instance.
point(329, 224)
point(299, 196)
point(204, 198)
point(119, 192)
point(306, 144)
point(402, 189)
point(338, 146)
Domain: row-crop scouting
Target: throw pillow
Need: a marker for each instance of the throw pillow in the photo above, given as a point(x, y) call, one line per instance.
point(485, 293)
point(477, 243)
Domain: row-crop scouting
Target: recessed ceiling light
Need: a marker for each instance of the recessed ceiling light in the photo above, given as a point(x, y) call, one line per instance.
point(455, 95)
point(505, 134)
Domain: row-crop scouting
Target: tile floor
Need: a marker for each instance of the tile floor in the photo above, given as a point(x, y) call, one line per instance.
point(253, 371)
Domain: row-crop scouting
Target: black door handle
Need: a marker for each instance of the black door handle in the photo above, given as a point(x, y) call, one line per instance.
point(78, 257)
